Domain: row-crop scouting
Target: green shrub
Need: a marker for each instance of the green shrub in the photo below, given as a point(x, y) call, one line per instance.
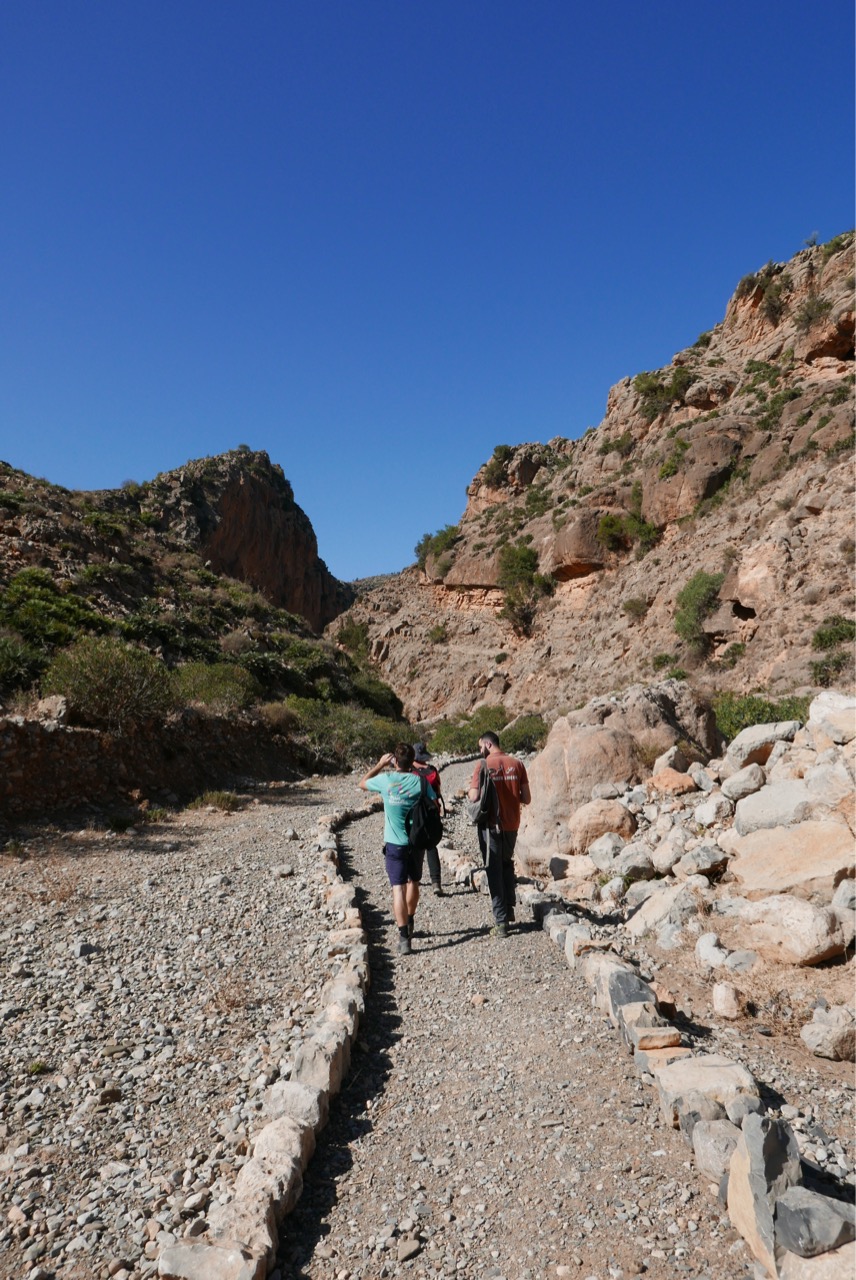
point(438, 634)
point(354, 636)
point(336, 736)
point(43, 616)
point(737, 711)
point(496, 470)
point(695, 602)
point(622, 445)
point(833, 632)
point(704, 340)
point(529, 733)
point(826, 670)
point(20, 664)
point(677, 673)
point(840, 395)
point(814, 308)
point(435, 544)
point(662, 660)
point(522, 585)
point(611, 533)
point(460, 736)
point(672, 465)
point(222, 686)
point(226, 801)
point(110, 684)
point(635, 607)
point(732, 656)
point(537, 502)
point(657, 393)
point(836, 244)
point(500, 657)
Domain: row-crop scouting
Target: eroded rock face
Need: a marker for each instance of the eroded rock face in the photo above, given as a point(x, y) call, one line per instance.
point(259, 536)
point(744, 468)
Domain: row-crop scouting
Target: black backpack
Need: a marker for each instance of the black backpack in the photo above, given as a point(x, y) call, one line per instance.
point(484, 812)
point(422, 824)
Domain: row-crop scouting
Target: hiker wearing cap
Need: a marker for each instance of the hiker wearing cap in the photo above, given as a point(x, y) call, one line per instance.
point(422, 765)
point(512, 791)
point(393, 778)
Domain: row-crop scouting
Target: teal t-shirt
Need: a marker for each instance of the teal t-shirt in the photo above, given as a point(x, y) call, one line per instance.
point(400, 792)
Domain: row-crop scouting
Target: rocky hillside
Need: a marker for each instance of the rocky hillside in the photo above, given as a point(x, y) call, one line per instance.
point(232, 515)
point(733, 462)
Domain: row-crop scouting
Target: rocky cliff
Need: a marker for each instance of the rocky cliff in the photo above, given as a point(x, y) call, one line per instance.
point(562, 578)
point(232, 515)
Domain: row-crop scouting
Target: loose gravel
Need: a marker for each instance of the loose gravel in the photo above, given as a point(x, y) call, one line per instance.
point(490, 1126)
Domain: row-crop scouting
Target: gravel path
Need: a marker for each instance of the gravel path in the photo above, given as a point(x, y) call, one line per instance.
point(155, 983)
point(492, 1127)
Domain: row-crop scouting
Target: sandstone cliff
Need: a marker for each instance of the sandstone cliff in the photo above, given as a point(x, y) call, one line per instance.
point(735, 459)
point(232, 515)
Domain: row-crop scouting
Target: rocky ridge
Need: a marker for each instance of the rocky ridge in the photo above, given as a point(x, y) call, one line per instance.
point(736, 459)
point(232, 515)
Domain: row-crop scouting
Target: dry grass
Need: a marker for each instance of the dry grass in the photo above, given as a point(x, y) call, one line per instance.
point(53, 881)
point(232, 993)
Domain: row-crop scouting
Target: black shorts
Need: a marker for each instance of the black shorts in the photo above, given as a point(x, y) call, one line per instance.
point(403, 864)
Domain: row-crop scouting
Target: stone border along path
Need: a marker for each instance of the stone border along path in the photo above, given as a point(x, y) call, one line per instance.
point(460, 1147)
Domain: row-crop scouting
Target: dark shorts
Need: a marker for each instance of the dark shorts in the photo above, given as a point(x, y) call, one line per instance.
point(403, 863)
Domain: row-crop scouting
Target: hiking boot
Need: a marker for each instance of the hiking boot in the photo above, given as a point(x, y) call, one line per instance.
point(405, 947)
point(438, 891)
point(499, 931)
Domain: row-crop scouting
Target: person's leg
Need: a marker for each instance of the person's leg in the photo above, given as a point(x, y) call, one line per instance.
point(414, 860)
point(396, 869)
point(434, 872)
point(496, 878)
point(399, 904)
point(509, 840)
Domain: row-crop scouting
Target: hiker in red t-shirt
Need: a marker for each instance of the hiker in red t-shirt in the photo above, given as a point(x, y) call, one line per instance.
point(512, 790)
point(422, 765)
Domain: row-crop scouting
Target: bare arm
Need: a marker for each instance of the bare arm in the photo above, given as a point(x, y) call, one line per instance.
point(376, 768)
point(525, 794)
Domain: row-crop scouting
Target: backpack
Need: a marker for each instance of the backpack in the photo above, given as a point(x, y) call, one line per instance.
point(484, 812)
point(432, 777)
point(422, 824)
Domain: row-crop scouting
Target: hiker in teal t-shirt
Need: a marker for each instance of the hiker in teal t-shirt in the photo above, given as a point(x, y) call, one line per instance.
point(400, 789)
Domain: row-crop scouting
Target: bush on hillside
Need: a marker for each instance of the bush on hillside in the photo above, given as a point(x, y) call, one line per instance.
point(42, 615)
point(109, 684)
point(221, 686)
point(737, 711)
point(695, 602)
point(335, 736)
point(437, 544)
point(20, 664)
point(529, 733)
point(460, 735)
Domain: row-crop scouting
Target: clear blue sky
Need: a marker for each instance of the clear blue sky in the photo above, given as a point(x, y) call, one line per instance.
point(378, 237)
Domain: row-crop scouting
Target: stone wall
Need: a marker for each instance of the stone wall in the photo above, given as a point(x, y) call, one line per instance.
point(45, 766)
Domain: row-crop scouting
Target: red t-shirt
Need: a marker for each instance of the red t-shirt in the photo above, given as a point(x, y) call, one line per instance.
point(509, 777)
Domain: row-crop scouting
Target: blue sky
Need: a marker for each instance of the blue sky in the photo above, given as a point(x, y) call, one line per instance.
point(378, 237)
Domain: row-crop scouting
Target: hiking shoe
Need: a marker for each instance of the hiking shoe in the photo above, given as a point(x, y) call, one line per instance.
point(405, 947)
point(499, 931)
point(438, 891)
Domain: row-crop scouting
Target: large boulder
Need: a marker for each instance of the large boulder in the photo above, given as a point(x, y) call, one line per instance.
point(834, 714)
point(809, 860)
point(573, 761)
point(789, 930)
point(832, 1034)
point(777, 805)
point(765, 1164)
point(599, 818)
point(754, 744)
